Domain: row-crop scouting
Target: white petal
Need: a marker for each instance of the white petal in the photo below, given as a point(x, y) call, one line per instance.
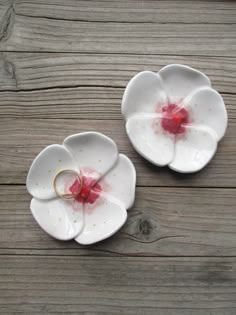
point(59, 218)
point(52, 160)
point(180, 80)
point(102, 221)
point(143, 94)
point(121, 181)
point(194, 149)
point(206, 107)
point(93, 151)
point(150, 140)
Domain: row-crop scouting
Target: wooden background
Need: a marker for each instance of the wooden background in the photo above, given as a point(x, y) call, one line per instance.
point(64, 65)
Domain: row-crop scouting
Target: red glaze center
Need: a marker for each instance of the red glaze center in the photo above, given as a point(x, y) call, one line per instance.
point(174, 119)
point(90, 191)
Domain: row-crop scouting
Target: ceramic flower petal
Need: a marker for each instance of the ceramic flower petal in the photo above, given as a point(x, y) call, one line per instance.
point(144, 93)
point(179, 81)
point(92, 151)
point(46, 165)
point(59, 218)
point(207, 108)
point(194, 150)
point(103, 221)
point(121, 180)
point(150, 139)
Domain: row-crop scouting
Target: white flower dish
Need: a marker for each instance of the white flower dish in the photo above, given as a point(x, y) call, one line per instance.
point(174, 117)
point(81, 189)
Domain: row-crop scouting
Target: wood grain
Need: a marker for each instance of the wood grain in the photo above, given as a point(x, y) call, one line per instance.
point(83, 285)
point(26, 33)
point(88, 86)
point(163, 222)
point(22, 139)
point(209, 12)
point(37, 71)
point(84, 102)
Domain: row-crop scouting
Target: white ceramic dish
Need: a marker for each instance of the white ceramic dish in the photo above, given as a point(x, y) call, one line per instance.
point(174, 117)
point(108, 188)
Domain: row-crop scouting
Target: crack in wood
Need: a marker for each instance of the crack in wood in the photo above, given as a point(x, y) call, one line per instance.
point(61, 87)
point(64, 87)
point(135, 239)
point(120, 21)
point(112, 53)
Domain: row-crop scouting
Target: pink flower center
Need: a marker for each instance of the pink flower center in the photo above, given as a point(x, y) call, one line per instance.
point(174, 119)
point(90, 191)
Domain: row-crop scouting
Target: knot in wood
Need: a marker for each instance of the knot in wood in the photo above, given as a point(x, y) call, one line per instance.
point(145, 226)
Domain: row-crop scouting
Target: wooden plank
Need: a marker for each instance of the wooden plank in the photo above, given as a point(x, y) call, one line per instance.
point(25, 33)
point(35, 71)
point(59, 86)
point(131, 11)
point(163, 222)
point(74, 103)
point(22, 139)
point(121, 285)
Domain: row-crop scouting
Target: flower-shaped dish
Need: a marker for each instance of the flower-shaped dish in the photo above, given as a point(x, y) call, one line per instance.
point(105, 191)
point(174, 117)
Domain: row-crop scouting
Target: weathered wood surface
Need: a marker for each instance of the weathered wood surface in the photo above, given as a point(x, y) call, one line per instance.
point(63, 69)
point(117, 285)
point(36, 71)
point(214, 12)
point(23, 30)
point(40, 34)
point(163, 222)
point(83, 102)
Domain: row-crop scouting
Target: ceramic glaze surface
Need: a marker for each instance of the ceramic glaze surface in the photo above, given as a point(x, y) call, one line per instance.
point(101, 198)
point(174, 117)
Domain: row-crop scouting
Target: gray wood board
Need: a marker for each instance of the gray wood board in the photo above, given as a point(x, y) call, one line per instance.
point(207, 12)
point(83, 102)
point(42, 71)
point(29, 32)
point(164, 221)
point(117, 285)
